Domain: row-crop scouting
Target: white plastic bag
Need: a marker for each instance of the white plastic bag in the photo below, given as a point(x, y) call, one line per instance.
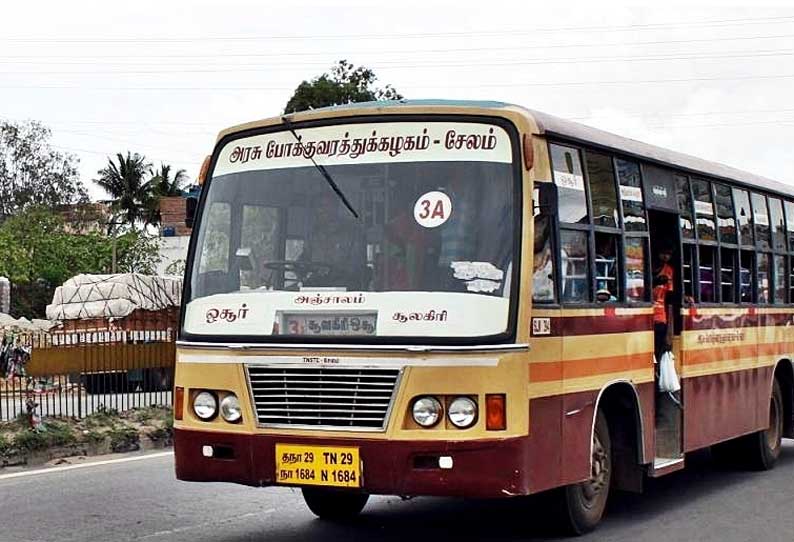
point(668, 379)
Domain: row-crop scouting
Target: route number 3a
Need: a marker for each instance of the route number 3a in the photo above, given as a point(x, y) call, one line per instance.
point(432, 209)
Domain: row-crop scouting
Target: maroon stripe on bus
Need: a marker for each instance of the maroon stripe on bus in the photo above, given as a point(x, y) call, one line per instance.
point(728, 321)
point(595, 325)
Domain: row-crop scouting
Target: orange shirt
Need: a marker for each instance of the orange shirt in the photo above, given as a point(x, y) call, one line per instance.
point(660, 293)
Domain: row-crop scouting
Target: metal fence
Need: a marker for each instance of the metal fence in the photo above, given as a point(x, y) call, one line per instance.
point(75, 372)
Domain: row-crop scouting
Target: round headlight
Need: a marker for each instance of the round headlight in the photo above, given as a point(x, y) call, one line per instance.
point(230, 409)
point(427, 411)
point(462, 412)
point(205, 405)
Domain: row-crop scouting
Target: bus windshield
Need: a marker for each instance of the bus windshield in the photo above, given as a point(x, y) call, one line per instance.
point(279, 253)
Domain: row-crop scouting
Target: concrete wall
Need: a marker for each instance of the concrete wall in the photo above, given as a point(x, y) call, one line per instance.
point(172, 249)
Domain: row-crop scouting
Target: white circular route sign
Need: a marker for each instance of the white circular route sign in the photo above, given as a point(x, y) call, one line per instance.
point(432, 209)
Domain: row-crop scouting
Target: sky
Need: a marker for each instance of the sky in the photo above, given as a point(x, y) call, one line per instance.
point(163, 78)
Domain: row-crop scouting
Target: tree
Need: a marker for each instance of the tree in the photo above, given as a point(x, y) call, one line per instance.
point(126, 183)
point(38, 253)
point(32, 173)
point(345, 84)
point(162, 185)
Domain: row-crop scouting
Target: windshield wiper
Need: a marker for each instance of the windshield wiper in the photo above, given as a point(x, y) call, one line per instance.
point(322, 170)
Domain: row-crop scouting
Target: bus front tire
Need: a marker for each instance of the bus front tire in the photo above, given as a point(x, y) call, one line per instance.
point(334, 505)
point(583, 504)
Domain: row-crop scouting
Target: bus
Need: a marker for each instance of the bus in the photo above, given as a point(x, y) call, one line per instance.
point(454, 299)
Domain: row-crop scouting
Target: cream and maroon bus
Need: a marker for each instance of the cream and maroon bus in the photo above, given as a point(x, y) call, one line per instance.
point(454, 298)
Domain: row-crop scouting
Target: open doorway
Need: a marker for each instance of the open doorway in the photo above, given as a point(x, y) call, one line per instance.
point(670, 271)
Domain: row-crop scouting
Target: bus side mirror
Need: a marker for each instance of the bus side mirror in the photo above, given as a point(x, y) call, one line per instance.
point(547, 198)
point(191, 204)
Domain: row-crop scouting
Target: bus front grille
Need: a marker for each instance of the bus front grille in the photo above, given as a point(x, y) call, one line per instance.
point(338, 398)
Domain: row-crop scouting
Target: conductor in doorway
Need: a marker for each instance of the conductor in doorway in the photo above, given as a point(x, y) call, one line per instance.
point(662, 302)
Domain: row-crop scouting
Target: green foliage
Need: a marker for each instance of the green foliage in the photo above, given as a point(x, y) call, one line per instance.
point(32, 173)
point(38, 253)
point(5, 445)
point(126, 184)
point(151, 413)
point(102, 417)
point(52, 433)
point(123, 438)
point(345, 84)
point(136, 189)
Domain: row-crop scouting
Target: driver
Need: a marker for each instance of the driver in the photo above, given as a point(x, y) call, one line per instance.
point(335, 246)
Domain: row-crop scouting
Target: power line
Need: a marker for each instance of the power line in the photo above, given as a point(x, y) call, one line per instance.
point(687, 114)
point(396, 65)
point(589, 45)
point(445, 86)
point(150, 39)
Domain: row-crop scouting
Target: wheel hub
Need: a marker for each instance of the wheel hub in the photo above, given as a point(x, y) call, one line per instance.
point(599, 473)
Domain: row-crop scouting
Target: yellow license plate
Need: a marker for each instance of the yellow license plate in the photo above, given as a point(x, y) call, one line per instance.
point(318, 465)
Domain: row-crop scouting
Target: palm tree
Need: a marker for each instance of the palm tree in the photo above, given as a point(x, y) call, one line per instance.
point(163, 186)
point(126, 183)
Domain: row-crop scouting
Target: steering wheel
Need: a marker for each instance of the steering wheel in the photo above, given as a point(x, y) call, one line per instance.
point(302, 271)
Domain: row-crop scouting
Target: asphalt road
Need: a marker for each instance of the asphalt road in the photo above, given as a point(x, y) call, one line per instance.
point(140, 500)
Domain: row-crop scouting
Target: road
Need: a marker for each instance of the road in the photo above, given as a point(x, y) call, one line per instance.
point(141, 501)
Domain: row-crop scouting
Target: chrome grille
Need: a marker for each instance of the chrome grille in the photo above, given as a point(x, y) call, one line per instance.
point(342, 398)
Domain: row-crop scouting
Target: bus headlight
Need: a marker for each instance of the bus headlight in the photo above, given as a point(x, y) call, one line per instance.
point(462, 412)
point(230, 409)
point(205, 405)
point(427, 411)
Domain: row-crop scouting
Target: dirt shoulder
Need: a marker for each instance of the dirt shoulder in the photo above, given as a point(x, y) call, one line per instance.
point(104, 432)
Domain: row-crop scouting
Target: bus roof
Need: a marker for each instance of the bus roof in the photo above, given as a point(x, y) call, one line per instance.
point(587, 135)
point(574, 131)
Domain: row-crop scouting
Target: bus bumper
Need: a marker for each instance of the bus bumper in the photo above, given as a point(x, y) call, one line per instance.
point(482, 468)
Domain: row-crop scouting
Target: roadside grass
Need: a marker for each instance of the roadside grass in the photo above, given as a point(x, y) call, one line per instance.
point(103, 431)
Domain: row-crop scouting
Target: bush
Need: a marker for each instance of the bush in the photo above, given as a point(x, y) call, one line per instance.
point(51, 433)
point(102, 417)
point(124, 439)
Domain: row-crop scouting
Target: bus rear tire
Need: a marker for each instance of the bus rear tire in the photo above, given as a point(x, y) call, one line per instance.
point(334, 505)
point(762, 449)
point(583, 504)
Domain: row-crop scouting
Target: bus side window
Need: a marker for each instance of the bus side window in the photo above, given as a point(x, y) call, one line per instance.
point(704, 210)
point(789, 206)
point(746, 277)
point(706, 273)
point(728, 275)
point(780, 279)
point(763, 278)
point(777, 225)
point(636, 277)
point(543, 288)
point(791, 279)
point(744, 215)
point(631, 195)
point(761, 216)
point(601, 179)
point(684, 207)
point(606, 267)
point(569, 179)
point(575, 270)
point(725, 214)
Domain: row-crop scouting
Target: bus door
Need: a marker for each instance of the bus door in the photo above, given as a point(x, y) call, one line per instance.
point(667, 259)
